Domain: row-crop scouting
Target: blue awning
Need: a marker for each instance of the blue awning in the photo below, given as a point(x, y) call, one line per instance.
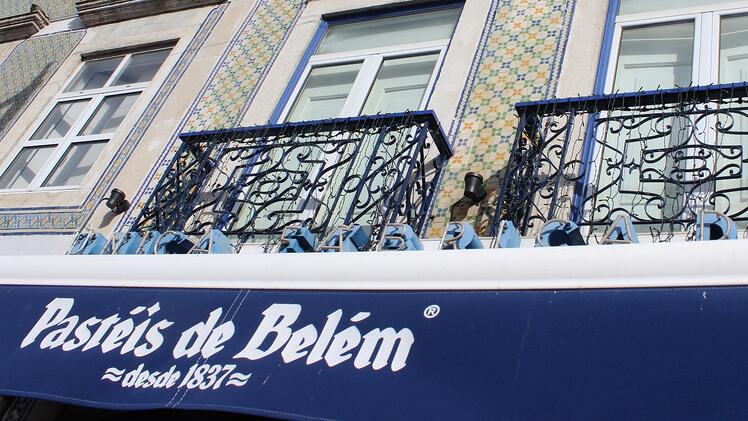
point(531, 354)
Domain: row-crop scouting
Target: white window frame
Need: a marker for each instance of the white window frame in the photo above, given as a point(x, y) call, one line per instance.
point(706, 20)
point(371, 60)
point(95, 97)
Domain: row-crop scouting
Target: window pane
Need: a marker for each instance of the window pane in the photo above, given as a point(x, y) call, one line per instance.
point(733, 67)
point(78, 159)
point(110, 114)
point(25, 167)
point(60, 120)
point(400, 84)
point(733, 49)
point(325, 92)
point(640, 6)
point(94, 74)
point(419, 27)
point(655, 56)
point(142, 67)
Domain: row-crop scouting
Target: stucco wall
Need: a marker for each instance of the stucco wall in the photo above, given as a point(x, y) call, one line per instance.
point(579, 71)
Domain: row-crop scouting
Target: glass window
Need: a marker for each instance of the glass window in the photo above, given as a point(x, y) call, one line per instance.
point(94, 74)
point(142, 67)
point(78, 159)
point(95, 103)
point(640, 6)
point(657, 56)
point(60, 120)
point(407, 29)
point(388, 72)
point(25, 167)
point(324, 92)
point(733, 49)
point(110, 114)
point(400, 84)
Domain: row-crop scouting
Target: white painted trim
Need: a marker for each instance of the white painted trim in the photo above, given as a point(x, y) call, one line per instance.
point(388, 51)
point(361, 86)
point(672, 12)
point(684, 264)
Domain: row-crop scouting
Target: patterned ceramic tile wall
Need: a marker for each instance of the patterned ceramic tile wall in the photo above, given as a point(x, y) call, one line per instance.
point(55, 9)
point(519, 59)
point(27, 68)
point(235, 81)
point(232, 89)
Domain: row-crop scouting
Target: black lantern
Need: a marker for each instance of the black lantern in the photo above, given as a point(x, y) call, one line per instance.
point(117, 202)
point(474, 189)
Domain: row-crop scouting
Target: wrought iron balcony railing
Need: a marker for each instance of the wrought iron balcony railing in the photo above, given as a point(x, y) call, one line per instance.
point(251, 183)
point(656, 156)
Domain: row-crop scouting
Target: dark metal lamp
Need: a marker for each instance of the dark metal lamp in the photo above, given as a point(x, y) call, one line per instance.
point(117, 202)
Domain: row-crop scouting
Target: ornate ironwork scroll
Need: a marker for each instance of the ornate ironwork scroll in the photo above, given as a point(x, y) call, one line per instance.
point(656, 156)
point(251, 183)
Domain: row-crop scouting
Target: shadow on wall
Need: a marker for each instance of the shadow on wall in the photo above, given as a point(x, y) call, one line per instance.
point(12, 106)
point(479, 209)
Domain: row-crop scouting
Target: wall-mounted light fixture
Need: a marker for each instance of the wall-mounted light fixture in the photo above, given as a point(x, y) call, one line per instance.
point(474, 193)
point(474, 188)
point(117, 202)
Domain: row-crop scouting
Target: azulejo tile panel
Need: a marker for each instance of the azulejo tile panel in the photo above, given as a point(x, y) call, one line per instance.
point(518, 59)
point(232, 89)
point(55, 9)
point(28, 67)
point(234, 82)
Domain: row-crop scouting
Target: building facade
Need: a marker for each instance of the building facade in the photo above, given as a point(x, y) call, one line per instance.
point(253, 126)
point(503, 54)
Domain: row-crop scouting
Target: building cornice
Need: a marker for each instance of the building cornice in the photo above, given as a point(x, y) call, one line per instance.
point(13, 28)
point(102, 12)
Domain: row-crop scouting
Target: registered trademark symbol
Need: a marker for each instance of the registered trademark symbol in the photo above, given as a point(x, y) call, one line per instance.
point(431, 311)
